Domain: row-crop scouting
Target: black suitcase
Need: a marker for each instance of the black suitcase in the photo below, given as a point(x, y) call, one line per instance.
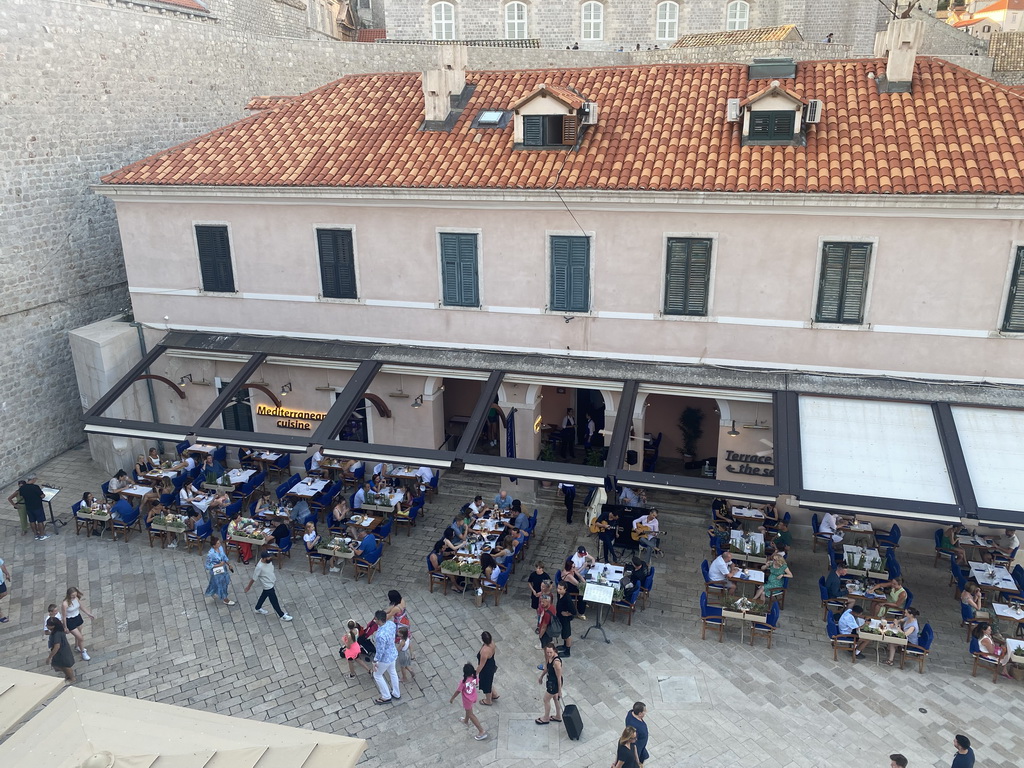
point(573, 721)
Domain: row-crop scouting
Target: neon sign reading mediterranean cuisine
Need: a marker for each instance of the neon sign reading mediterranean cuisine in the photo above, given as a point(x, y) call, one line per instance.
point(290, 418)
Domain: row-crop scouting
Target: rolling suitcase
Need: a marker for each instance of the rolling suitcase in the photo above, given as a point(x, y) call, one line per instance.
point(573, 721)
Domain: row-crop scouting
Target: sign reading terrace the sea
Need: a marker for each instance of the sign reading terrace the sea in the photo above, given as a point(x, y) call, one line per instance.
point(291, 418)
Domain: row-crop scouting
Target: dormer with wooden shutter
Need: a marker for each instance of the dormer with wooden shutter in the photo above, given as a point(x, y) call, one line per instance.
point(773, 115)
point(550, 117)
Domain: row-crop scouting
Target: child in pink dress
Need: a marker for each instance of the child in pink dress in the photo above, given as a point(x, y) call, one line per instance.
point(468, 688)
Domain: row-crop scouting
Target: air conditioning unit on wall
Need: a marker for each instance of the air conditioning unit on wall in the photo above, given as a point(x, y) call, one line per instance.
point(732, 111)
point(812, 112)
point(590, 113)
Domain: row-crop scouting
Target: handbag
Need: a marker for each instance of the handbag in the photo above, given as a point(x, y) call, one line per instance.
point(555, 626)
point(219, 569)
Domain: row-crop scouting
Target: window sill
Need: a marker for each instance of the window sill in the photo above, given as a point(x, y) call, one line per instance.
point(687, 318)
point(332, 300)
point(222, 294)
point(841, 326)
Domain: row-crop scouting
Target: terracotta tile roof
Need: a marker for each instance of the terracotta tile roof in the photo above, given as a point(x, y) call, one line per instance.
point(661, 127)
point(1007, 50)
point(740, 36)
point(267, 102)
point(774, 86)
point(370, 35)
point(191, 5)
point(563, 94)
point(970, 22)
point(1003, 5)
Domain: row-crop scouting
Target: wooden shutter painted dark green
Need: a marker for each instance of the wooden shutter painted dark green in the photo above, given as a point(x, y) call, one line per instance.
point(459, 270)
point(238, 415)
point(533, 130)
point(843, 284)
point(570, 274)
point(1014, 318)
point(215, 259)
point(337, 263)
point(772, 125)
point(688, 271)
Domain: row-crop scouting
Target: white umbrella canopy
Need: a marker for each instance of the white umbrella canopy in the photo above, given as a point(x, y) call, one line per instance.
point(20, 693)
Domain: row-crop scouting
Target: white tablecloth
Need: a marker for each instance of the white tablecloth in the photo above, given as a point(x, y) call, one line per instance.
point(308, 489)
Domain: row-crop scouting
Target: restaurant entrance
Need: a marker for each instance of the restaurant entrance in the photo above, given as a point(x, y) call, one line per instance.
point(357, 428)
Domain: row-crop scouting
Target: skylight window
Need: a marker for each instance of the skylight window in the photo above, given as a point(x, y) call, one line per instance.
point(492, 118)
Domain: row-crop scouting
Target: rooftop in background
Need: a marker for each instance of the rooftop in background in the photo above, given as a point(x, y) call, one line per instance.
point(257, 103)
point(1003, 5)
point(739, 37)
point(371, 35)
point(661, 128)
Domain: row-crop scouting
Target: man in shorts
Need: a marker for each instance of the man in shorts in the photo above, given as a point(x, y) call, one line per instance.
point(32, 495)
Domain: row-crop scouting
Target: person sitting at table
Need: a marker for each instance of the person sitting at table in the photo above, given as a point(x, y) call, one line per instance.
point(503, 501)
point(992, 649)
point(503, 550)
point(85, 503)
point(490, 569)
point(570, 576)
point(476, 507)
point(579, 558)
point(776, 569)
point(1007, 548)
point(830, 524)
point(849, 622)
point(949, 543)
point(835, 589)
point(339, 514)
point(460, 528)
point(141, 467)
point(451, 540)
point(212, 469)
point(359, 497)
point(153, 459)
point(719, 533)
point(895, 599)
point(721, 569)
point(634, 576)
point(771, 517)
point(265, 505)
point(188, 494)
point(522, 520)
point(311, 538)
point(121, 508)
point(186, 465)
point(910, 627)
point(367, 546)
point(116, 484)
point(154, 511)
point(783, 539)
point(299, 511)
point(425, 475)
point(247, 457)
point(974, 599)
point(721, 513)
point(314, 463)
point(244, 548)
point(281, 532)
point(220, 500)
point(649, 541)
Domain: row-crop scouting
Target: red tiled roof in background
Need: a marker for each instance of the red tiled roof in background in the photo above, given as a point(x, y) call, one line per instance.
point(1003, 5)
point(775, 86)
point(970, 22)
point(739, 37)
point(370, 35)
point(191, 5)
point(661, 127)
point(561, 93)
point(257, 103)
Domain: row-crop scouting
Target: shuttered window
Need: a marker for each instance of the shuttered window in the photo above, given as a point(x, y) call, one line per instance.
point(337, 263)
point(570, 274)
point(772, 125)
point(1014, 319)
point(238, 415)
point(549, 130)
point(843, 284)
point(459, 270)
point(215, 259)
point(687, 272)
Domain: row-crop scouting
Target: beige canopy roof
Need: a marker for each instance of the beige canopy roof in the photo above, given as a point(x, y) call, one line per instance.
point(20, 693)
point(80, 727)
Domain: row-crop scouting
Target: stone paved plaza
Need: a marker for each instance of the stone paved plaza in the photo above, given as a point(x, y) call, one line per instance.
point(156, 637)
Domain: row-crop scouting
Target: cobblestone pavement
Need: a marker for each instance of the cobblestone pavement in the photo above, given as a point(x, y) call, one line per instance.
point(156, 637)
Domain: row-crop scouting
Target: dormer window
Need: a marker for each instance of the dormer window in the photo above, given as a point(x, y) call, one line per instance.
point(550, 117)
point(772, 125)
point(773, 116)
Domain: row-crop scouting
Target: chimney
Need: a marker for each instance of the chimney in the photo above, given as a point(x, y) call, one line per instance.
point(900, 42)
point(448, 79)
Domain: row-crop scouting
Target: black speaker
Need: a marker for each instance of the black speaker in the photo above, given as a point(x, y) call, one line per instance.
point(631, 458)
point(457, 466)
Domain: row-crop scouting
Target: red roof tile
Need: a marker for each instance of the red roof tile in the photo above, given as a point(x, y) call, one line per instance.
point(564, 95)
point(661, 127)
point(267, 102)
point(370, 35)
point(1003, 5)
point(191, 5)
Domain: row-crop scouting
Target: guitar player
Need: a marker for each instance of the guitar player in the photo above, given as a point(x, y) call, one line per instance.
point(645, 531)
point(607, 529)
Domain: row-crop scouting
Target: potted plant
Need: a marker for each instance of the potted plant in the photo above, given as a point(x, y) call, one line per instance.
point(690, 425)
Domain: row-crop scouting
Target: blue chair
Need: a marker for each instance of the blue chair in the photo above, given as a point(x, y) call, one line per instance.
point(383, 531)
point(817, 536)
point(767, 628)
point(710, 616)
point(128, 517)
point(181, 447)
point(432, 484)
point(713, 544)
point(833, 556)
point(968, 619)
point(359, 473)
point(498, 586)
point(709, 587)
point(1000, 559)
point(368, 563)
point(626, 606)
point(830, 605)
point(940, 552)
point(281, 466)
point(202, 532)
point(892, 564)
point(308, 464)
point(105, 487)
point(282, 489)
point(436, 577)
point(890, 539)
point(981, 660)
point(533, 522)
point(220, 454)
point(786, 518)
point(919, 650)
point(1018, 577)
point(897, 613)
point(178, 481)
point(645, 589)
point(243, 462)
point(840, 642)
point(79, 523)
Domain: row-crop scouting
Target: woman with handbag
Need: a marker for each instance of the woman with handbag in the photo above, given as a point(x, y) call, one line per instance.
point(218, 566)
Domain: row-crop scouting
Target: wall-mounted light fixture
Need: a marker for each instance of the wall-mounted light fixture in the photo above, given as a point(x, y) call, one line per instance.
point(733, 432)
point(186, 379)
point(286, 389)
point(417, 402)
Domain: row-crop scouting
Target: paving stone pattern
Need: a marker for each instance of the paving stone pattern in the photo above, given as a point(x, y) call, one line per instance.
point(156, 637)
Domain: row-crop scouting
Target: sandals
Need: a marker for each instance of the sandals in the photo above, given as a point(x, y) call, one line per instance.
point(485, 703)
point(495, 697)
point(888, 663)
point(538, 721)
point(556, 719)
point(382, 701)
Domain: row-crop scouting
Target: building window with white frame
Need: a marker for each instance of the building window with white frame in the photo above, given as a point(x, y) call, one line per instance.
point(843, 283)
point(592, 14)
point(737, 15)
point(667, 16)
point(1013, 319)
point(515, 21)
point(444, 21)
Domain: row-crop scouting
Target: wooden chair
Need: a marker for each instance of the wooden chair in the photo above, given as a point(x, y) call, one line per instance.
point(161, 535)
point(645, 589)
point(79, 523)
point(980, 660)
point(626, 606)
point(499, 586)
point(120, 525)
point(767, 628)
point(840, 642)
point(361, 566)
point(710, 616)
point(316, 557)
point(919, 651)
point(195, 539)
point(435, 577)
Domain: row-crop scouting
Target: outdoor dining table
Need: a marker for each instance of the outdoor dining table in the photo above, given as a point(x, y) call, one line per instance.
point(199, 448)
point(746, 576)
point(174, 528)
point(367, 522)
point(156, 475)
point(747, 547)
point(266, 458)
point(880, 639)
point(968, 542)
point(403, 472)
point(307, 488)
point(239, 476)
point(853, 589)
point(94, 515)
point(746, 515)
point(1012, 613)
point(202, 503)
point(744, 617)
point(488, 525)
point(333, 547)
point(873, 562)
point(999, 581)
point(384, 501)
point(463, 556)
point(135, 490)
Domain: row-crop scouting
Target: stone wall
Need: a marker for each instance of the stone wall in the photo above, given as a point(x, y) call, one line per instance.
point(941, 39)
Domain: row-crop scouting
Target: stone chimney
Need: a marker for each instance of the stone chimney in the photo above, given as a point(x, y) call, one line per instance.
point(448, 79)
point(900, 43)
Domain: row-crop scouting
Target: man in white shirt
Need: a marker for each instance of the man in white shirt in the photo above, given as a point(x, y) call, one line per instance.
point(649, 541)
point(849, 622)
point(1010, 542)
point(314, 462)
point(579, 558)
point(425, 474)
point(721, 569)
point(588, 441)
point(628, 497)
point(830, 525)
point(267, 577)
point(502, 501)
point(359, 497)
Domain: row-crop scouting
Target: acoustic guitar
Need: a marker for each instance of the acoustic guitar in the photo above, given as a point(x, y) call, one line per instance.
point(640, 531)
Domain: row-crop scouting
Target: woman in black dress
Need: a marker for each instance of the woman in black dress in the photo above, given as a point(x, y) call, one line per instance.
point(61, 658)
point(486, 667)
point(625, 755)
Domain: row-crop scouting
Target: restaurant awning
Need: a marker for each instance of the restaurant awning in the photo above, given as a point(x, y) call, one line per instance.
point(79, 724)
point(916, 460)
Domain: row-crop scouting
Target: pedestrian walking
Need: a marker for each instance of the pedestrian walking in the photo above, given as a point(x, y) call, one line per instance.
point(19, 504)
point(468, 688)
point(569, 496)
point(266, 575)
point(626, 754)
point(5, 576)
point(635, 719)
point(61, 658)
point(385, 658)
point(964, 757)
point(396, 609)
point(552, 685)
point(486, 667)
point(897, 761)
point(351, 650)
point(72, 609)
point(404, 643)
point(32, 495)
point(220, 569)
point(565, 609)
point(52, 612)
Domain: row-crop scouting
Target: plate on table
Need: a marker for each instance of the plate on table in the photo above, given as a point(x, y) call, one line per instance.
point(356, 519)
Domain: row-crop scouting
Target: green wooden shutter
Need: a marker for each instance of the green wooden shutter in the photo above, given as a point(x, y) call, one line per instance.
point(843, 283)
point(1014, 319)
point(238, 415)
point(570, 274)
point(783, 125)
point(687, 273)
point(215, 259)
point(459, 270)
point(760, 125)
point(337, 263)
point(533, 130)
point(772, 125)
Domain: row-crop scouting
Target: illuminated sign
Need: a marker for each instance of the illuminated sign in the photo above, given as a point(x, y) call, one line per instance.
point(291, 418)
